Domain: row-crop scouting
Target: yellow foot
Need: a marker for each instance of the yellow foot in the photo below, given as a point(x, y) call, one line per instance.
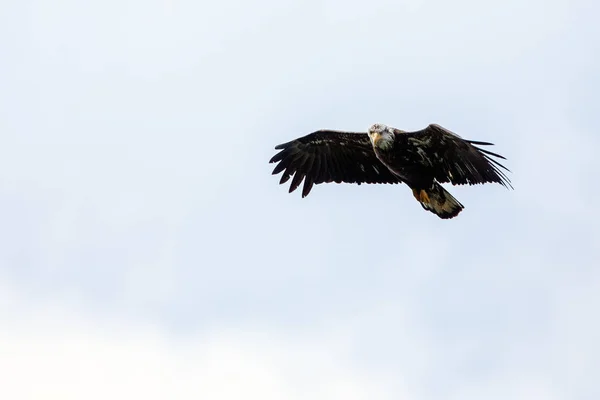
point(421, 196)
point(424, 197)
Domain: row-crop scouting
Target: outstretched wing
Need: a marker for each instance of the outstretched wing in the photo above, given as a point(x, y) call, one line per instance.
point(457, 160)
point(329, 156)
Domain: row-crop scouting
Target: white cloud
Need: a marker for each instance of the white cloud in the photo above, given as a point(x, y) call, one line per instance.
point(54, 355)
point(386, 346)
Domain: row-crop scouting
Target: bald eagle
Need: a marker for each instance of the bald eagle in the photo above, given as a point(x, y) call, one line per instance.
point(422, 159)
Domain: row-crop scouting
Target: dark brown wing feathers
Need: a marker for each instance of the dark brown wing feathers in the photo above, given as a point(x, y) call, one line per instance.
point(459, 161)
point(329, 156)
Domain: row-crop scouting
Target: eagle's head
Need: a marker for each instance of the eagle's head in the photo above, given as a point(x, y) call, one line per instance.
point(382, 136)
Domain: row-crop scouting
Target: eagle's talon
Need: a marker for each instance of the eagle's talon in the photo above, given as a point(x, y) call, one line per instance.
point(424, 197)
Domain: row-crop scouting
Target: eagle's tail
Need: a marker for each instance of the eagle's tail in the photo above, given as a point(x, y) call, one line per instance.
point(439, 201)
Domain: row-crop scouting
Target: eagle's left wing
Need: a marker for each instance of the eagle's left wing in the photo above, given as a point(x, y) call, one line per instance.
point(455, 159)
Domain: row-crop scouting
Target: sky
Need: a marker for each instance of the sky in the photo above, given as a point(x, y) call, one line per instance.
point(146, 251)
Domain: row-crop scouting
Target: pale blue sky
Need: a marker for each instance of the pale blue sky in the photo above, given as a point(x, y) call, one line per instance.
point(142, 229)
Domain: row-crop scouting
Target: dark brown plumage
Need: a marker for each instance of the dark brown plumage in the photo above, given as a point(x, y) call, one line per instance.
point(454, 159)
point(422, 159)
point(330, 156)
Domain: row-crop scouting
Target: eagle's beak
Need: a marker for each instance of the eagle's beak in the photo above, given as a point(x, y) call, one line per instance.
point(375, 136)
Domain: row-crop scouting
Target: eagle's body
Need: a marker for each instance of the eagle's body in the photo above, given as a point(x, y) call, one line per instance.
point(421, 159)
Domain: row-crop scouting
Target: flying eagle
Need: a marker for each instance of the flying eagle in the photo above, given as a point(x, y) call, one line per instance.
point(422, 159)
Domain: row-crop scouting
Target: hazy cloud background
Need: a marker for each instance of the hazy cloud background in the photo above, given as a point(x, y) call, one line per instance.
point(147, 252)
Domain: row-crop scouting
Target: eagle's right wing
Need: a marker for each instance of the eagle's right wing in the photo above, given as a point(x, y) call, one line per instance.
point(330, 156)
